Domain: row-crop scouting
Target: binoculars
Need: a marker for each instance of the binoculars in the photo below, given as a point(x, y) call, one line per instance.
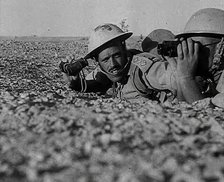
point(168, 48)
point(73, 68)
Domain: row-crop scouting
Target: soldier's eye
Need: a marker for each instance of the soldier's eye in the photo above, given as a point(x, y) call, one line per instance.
point(117, 55)
point(105, 60)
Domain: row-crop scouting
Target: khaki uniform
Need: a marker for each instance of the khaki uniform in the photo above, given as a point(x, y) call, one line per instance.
point(148, 77)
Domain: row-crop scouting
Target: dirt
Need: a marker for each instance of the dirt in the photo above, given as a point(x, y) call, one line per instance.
point(51, 133)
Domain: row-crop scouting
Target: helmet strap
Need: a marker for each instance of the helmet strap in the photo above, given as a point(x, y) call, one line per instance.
point(125, 68)
point(123, 71)
point(218, 60)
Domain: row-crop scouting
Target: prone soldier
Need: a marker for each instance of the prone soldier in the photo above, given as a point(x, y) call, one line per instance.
point(190, 76)
point(124, 71)
point(200, 55)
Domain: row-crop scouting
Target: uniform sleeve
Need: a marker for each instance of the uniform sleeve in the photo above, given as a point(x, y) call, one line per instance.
point(220, 85)
point(161, 77)
point(157, 74)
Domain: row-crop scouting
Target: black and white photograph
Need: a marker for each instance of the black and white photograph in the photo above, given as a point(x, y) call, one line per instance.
point(111, 90)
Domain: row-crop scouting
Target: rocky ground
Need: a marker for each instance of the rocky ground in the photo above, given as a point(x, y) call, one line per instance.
point(49, 133)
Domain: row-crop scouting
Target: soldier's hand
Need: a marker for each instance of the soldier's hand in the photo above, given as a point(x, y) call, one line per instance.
point(187, 60)
point(72, 67)
point(64, 62)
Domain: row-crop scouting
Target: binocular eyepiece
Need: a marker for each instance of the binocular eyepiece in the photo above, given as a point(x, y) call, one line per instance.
point(168, 48)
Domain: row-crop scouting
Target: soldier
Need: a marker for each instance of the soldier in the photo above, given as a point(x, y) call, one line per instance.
point(117, 68)
point(157, 36)
point(200, 55)
point(188, 77)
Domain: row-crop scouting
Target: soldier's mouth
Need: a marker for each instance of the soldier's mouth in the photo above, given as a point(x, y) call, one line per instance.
point(114, 70)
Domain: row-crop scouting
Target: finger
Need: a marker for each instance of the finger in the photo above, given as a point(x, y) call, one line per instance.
point(196, 49)
point(190, 44)
point(173, 63)
point(185, 48)
point(179, 51)
point(64, 60)
point(181, 39)
point(67, 58)
point(70, 58)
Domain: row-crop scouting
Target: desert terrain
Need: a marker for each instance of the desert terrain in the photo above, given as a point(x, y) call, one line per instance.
point(49, 133)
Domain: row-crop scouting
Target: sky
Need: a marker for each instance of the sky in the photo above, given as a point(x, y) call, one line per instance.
point(79, 17)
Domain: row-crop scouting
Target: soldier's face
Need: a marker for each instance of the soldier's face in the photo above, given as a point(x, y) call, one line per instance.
point(112, 59)
point(207, 51)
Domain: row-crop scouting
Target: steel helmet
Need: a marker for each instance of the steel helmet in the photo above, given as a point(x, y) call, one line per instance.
point(157, 36)
point(205, 21)
point(104, 34)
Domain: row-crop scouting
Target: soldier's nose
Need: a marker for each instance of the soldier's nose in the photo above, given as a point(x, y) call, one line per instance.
point(113, 62)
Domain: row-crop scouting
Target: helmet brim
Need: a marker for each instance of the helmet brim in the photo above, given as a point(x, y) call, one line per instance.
point(121, 37)
point(195, 34)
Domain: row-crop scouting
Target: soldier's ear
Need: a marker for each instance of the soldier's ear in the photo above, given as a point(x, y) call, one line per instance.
point(95, 58)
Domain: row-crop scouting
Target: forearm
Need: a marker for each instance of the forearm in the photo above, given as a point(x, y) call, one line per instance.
point(190, 90)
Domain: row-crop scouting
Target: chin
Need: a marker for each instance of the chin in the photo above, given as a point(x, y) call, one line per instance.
point(114, 78)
